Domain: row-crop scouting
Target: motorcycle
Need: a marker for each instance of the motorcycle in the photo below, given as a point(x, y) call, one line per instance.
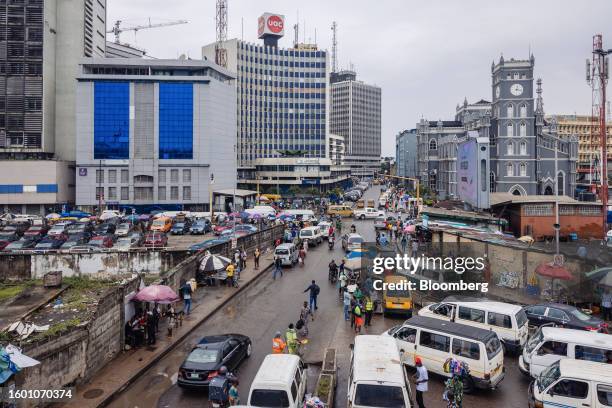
point(218, 391)
point(330, 243)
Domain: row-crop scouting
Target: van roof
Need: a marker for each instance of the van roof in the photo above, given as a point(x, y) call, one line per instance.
point(285, 246)
point(492, 306)
point(309, 228)
point(577, 336)
point(276, 369)
point(588, 370)
point(376, 358)
point(457, 329)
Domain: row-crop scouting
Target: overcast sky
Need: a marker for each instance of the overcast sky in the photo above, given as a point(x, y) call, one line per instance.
point(426, 56)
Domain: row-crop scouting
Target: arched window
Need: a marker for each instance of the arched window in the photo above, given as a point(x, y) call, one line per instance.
point(433, 145)
point(509, 170)
point(560, 183)
point(523, 148)
point(523, 111)
point(509, 130)
point(510, 111)
point(523, 169)
point(510, 149)
point(516, 75)
point(523, 129)
point(492, 182)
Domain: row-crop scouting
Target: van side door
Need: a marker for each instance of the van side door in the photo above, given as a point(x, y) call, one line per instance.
point(406, 338)
point(300, 378)
point(548, 353)
point(470, 352)
point(603, 398)
point(567, 392)
point(434, 349)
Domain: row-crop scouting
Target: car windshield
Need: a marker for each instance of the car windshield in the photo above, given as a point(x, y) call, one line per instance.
point(124, 226)
point(159, 223)
point(384, 396)
point(534, 341)
point(398, 293)
point(282, 252)
point(521, 318)
point(203, 356)
point(493, 347)
point(179, 225)
point(548, 376)
point(355, 240)
point(580, 315)
point(269, 398)
point(306, 233)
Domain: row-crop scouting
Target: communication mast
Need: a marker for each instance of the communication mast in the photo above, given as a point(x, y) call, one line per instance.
point(597, 77)
point(221, 20)
point(117, 29)
point(334, 28)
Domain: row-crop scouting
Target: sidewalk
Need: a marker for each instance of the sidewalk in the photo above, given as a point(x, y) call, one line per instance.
point(126, 367)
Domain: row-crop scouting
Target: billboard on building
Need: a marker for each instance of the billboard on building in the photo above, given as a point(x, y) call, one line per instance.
point(271, 24)
point(473, 171)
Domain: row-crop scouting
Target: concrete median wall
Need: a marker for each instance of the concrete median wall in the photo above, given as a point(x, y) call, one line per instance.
point(33, 266)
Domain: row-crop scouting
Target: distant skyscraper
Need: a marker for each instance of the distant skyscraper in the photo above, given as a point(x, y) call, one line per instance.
point(356, 115)
point(406, 153)
point(282, 110)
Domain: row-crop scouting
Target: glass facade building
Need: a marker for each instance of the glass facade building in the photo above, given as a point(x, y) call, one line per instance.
point(111, 120)
point(175, 121)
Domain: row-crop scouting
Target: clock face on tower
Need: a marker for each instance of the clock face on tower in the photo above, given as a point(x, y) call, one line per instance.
point(516, 89)
point(497, 91)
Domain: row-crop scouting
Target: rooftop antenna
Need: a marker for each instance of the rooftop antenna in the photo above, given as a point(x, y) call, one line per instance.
point(334, 28)
point(315, 36)
point(296, 31)
point(242, 29)
point(221, 20)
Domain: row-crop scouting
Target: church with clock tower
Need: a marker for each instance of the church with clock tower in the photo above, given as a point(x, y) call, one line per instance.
point(524, 147)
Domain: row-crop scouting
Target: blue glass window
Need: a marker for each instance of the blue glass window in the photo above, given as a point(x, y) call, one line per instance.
point(111, 120)
point(175, 121)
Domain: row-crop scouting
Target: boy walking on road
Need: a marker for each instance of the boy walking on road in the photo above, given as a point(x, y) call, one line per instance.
point(314, 292)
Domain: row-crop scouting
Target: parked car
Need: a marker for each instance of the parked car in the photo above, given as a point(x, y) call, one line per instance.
point(179, 228)
point(200, 227)
point(207, 357)
point(51, 243)
point(105, 229)
point(368, 212)
point(82, 249)
point(20, 227)
point(123, 229)
point(380, 223)
point(79, 228)
point(5, 241)
point(227, 234)
point(58, 229)
point(76, 239)
point(208, 244)
point(36, 231)
point(9, 233)
point(218, 229)
point(351, 242)
point(155, 240)
point(102, 241)
point(565, 316)
point(246, 227)
point(22, 244)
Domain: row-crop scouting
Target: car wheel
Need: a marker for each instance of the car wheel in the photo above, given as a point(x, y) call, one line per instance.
point(249, 350)
point(362, 217)
point(468, 384)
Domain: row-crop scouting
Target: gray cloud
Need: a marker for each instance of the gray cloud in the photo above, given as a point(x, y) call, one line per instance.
point(426, 56)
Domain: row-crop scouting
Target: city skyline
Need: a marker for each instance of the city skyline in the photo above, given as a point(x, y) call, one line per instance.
point(448, 67)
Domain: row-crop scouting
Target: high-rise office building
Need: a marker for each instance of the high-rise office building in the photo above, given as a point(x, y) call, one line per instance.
point(282, 111)
point(356, 115)
point(154, 133)
point(41, 43)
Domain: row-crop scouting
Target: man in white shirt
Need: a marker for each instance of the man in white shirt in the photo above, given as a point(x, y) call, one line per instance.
point(421, 378)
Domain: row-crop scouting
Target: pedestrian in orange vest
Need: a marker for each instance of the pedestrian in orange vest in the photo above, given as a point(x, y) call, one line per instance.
point(278, 344)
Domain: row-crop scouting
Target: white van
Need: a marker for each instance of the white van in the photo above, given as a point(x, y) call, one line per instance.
point(551, 344)
point(312, 235)
point(435, 341)
point(287, 253)
point(376, 377)
point(572, 383)
point(507, 320)
point(305, 215)
point(280, 382)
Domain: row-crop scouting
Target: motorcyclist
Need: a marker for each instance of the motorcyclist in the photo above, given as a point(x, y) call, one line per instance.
point(353, 228)
point(330, 240)
point(333, 270)
point(219, 388)
point(330, 231)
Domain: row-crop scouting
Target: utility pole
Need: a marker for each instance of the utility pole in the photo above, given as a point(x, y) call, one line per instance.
point(221, 23)
point(597, 76)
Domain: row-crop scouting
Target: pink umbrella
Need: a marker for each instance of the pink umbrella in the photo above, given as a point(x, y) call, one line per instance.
point(409, 229)
point(157, 293)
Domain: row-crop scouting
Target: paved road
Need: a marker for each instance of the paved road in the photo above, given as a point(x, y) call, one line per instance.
point(268, 306)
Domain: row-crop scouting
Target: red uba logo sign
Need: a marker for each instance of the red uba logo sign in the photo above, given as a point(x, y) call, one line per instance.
point(275, 24)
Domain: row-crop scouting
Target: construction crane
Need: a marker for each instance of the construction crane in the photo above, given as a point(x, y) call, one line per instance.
point(221, 26)
point(117, 29)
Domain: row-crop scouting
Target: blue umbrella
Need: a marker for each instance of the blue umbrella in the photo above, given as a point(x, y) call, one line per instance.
point(361, 254)
point(244, 214)
point(133, 218)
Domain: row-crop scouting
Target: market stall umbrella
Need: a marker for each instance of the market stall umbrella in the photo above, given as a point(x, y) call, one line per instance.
point(107, 216)
point(52, 215)
point(133, 218)
point(212, 263)
point(157, 293)
point(606, 280)
point(552, 271)
point(410, 229)
point(144, 217)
